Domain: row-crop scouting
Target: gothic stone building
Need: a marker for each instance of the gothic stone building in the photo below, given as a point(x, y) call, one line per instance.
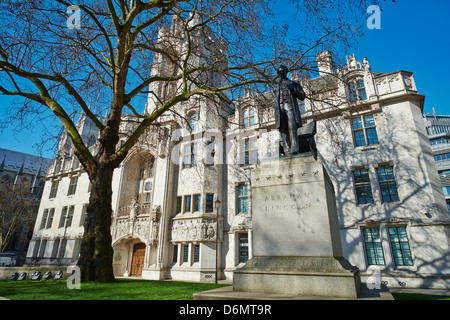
point(17, 167)
point(370, 136)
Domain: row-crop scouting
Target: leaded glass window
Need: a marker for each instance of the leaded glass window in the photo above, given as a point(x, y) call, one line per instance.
point(250, 151)
point(190, 155)
point(53, 189)
point(248, 118)
point(243, 247)
point(179, 203)
point(185, 253)
point(242, 198)
point(363, 187)
point(196, 253)
point(388, 186)
point(400, 246)
point(197, 202)
point(364, 131)
point(187, 204)
point(209, 203)
point(72, 186)
point(374, 249)
point(357, 90)
point(193, 121)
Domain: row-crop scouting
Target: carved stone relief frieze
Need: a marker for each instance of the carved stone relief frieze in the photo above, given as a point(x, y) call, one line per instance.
point(194, 230)
point(141, 227)
point(138, 227)
point(122, 228)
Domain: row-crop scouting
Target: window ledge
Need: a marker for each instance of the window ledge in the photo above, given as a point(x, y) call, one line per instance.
point(389, 202)
point(406, 268)
point(362, 205)
point(248, 166)
point(369, 147)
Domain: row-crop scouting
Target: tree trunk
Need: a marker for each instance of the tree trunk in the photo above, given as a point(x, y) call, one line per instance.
point(96, 252)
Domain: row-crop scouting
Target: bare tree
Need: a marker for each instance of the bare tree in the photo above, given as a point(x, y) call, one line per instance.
point(119, 54)
point(18, 209)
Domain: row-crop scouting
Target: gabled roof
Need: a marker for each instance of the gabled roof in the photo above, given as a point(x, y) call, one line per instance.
point(13, 160)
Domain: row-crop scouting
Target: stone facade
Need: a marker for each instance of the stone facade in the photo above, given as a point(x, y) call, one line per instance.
point(370, 136)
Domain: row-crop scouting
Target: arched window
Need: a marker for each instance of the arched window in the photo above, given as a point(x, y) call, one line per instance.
point(5, 180)
point(248, 117)
point(144, 181)
point(193, 121)
point(150, 168)
point(357, 90)
point(146, 170)
point(25, 182)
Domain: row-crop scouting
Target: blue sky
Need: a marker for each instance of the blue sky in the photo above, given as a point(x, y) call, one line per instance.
point(414, 36)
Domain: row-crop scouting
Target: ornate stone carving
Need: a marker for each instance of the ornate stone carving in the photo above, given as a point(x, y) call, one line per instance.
point(241, 222)
point(122, 228)
point(134, 208)
point(141, 227)
point(156, 213)
point(155, 220)
point(194, 230)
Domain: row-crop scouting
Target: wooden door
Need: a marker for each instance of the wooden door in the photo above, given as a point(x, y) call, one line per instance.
point(137, 263)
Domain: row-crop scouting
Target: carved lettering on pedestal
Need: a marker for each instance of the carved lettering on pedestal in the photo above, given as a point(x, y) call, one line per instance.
point(286, 197)
point(284, 202)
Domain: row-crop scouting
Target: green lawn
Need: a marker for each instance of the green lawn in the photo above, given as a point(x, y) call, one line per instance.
point(123, 289)
point(126, 289)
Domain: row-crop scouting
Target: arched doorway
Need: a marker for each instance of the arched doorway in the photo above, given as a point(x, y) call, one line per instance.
point(137, 261)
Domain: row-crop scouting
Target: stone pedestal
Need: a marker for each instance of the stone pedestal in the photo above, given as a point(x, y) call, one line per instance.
point(297, 247)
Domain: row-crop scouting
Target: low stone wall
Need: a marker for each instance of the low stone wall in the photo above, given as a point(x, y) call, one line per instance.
point(6, 272)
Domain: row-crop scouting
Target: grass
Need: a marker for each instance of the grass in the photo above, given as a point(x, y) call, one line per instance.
point(128, 289)
point(122, 289)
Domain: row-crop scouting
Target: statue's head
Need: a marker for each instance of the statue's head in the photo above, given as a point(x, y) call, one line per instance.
point(282, 71)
